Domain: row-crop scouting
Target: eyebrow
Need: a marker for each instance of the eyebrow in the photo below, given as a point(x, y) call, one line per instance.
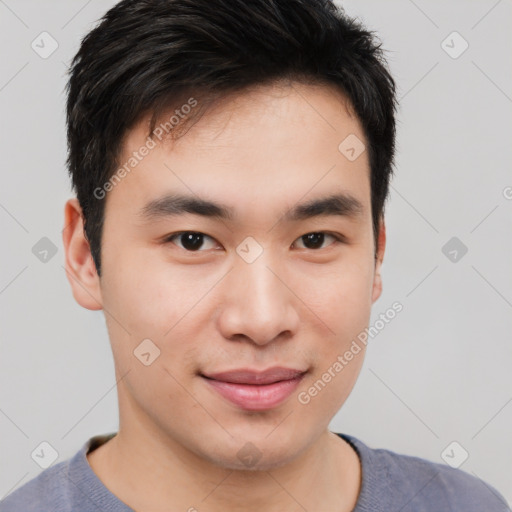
point(172, 205)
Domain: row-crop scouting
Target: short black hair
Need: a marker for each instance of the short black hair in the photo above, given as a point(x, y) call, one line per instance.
point(146, 56)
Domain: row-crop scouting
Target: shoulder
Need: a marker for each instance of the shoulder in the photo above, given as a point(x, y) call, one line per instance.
point(416, 484)
point(47, 492)
point(64, 487)
point(432, 482)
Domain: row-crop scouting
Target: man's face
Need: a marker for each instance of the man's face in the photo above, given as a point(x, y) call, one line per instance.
point(250, 292)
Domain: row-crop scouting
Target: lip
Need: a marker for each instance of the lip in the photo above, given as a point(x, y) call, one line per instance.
point(256, 390)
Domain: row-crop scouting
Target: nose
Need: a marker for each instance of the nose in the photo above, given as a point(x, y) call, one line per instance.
point(258, 303)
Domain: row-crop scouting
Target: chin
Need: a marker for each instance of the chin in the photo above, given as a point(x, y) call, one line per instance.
point(258, 455)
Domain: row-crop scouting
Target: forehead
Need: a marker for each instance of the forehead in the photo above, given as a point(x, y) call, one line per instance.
point(253, 149)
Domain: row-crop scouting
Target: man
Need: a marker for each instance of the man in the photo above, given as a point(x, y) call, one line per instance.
point(231, 162)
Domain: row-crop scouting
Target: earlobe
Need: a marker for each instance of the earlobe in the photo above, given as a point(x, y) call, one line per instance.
point(377, 279)
point(79, 265)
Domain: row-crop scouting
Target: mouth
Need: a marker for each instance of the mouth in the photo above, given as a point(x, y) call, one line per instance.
point(255, 390)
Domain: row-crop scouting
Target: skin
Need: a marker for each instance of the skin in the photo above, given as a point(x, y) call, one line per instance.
point(260, 152)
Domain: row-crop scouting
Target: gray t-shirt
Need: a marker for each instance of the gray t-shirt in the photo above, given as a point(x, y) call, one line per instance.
point(391, 482)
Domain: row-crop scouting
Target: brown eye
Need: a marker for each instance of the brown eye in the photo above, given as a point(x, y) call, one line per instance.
point(190, 240)
point(315, 240)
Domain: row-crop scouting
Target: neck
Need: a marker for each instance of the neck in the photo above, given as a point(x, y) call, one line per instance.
point(148, 470)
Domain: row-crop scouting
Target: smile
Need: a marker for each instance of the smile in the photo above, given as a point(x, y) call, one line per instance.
point(256, 391)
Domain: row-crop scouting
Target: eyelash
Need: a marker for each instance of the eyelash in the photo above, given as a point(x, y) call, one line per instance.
point(338, 239)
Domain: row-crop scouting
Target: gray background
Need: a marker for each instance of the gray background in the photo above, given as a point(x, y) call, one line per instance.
point(439, 372)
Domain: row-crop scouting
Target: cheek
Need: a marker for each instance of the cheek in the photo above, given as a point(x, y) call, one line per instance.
point(330, 384)
point(341, 297)
point(343, 305)
point(147, 298)
point(151, 327)
point(148, 295)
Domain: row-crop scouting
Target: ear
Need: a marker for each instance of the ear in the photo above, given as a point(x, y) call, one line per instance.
point(80, 268)
point(377, 279)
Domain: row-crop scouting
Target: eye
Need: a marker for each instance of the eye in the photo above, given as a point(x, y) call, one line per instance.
point(191, 240)
point(194, 241)
point(316, 239)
